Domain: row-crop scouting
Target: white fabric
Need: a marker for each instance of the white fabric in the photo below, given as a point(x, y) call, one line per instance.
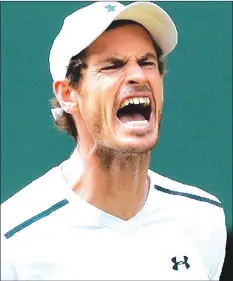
point(81, 242)
point(85, 25)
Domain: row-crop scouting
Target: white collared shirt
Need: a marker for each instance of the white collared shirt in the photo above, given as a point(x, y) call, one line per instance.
point(50, 233)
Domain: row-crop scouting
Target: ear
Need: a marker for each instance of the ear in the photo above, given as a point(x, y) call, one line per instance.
point(66, 96)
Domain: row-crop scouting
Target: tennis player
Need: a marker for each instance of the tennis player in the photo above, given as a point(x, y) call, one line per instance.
point(102, 214)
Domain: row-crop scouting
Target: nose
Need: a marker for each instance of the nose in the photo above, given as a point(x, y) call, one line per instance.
point(134, 74)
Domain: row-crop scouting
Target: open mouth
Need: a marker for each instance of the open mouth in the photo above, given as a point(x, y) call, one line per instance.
point(135, 111)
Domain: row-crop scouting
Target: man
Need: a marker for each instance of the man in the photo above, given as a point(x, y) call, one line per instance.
point(101, 214)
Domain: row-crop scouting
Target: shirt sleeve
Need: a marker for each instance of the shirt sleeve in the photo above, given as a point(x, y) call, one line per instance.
point(218, 246)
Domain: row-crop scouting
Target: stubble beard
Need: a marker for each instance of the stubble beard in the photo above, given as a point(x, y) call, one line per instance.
point(109, 153)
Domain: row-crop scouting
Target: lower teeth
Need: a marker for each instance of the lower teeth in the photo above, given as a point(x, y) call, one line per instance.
point(144, 122)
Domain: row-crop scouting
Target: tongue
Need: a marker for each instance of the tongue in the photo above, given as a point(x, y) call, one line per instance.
point(132, 117)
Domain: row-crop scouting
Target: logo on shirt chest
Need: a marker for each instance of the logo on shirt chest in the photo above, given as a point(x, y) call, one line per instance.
point(179, 263)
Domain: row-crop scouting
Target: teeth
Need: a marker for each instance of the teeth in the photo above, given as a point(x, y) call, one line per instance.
point(125, 103)
point(147, 101)
point(136, 123)
point(141, 100)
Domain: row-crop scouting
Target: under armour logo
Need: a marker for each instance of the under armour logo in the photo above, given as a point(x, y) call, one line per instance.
point(176, 263)
point(110, 8)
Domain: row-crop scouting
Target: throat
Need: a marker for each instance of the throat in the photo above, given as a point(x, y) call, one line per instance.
point(119, 186)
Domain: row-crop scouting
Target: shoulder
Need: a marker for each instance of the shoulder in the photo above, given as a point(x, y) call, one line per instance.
point(38, 198)
point(185, 192)
point(199, 212)
point(200, 215)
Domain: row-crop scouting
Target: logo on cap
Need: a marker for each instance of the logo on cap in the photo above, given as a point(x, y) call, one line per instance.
point(110, 8)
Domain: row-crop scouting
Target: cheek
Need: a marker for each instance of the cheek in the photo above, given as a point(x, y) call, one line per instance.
point(102, 91)
point(159, 97)
point(159, 104)
point(157, 88)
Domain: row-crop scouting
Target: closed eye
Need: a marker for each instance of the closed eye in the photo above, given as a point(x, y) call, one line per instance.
point(114, 66)
point(147, 63)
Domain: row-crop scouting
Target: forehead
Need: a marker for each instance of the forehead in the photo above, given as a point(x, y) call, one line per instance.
point(125, 39)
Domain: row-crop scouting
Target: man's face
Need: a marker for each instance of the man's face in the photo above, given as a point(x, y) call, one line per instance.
point(121, 94)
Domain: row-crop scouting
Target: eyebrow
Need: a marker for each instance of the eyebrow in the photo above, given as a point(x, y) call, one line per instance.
point(148, 56)
point(118, 58)
point(111, 59)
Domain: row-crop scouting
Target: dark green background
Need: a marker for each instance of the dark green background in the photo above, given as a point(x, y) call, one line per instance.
point(195, 146)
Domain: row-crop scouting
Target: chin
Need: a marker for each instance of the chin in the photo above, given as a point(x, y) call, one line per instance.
point(137, 145)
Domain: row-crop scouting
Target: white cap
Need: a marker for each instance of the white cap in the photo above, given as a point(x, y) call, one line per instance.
point(85, 25)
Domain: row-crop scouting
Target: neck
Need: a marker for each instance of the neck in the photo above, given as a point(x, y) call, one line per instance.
point(114, 182)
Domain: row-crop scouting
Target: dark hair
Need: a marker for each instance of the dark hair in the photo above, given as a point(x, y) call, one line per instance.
point(77, 64)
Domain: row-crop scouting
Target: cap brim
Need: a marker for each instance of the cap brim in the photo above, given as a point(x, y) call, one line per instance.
point(155, 20)
point(66, 45)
